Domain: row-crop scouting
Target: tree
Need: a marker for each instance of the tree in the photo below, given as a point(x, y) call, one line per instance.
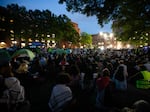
point(35, 24)
point(133, 22)
point(17, 21)
point(132, 16)
point(65, 30)
point(103, 9)
point(4, 23)
point(86, 39)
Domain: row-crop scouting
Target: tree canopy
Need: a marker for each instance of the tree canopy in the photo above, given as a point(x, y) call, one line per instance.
point(85, 39)
point(130, 17)
point(35, 24)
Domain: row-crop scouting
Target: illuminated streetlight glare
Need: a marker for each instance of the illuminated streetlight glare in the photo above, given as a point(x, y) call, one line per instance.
point(105, 36)
point(111, 34)
point(101, 33)
point(11, 31)
point(48, 35)
point(128, 46)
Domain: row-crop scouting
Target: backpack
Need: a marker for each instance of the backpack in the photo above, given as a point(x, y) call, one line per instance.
point(10, 100)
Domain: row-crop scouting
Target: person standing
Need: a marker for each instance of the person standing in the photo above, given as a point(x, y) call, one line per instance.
point(103, 90)
point(61, 94)
point(12, 93)
point(120, 76)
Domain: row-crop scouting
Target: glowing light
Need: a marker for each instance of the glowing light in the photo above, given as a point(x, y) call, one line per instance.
point(141, 45)
point(23, 44)
point(30, 43)
point(53, 41)
point(3, 45)
point(101, 47)
point(12, 39)
point(48, 35)
point(141, 37)
point(81, 47)
point(11, 21)
point(11, 31)
point(14, 42)
point(63, 46)
point(111, 35)
point(53, 35)
point(128, 45)
point(119, 45)
point(36, 40)
point(30, 40)
point(105, 36)
point(101, 33)
point(146, 44)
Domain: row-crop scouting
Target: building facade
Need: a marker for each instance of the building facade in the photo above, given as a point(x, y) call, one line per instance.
point(75, 25)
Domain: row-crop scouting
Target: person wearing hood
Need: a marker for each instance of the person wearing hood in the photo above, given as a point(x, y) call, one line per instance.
point(11, 92)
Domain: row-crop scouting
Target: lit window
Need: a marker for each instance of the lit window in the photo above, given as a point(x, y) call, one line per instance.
point(11, 21)
point(11, 31)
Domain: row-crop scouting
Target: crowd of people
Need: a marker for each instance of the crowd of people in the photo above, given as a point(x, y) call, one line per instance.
point(76, 75)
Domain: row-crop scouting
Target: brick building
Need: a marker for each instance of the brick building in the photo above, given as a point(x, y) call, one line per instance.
point(75, 25)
